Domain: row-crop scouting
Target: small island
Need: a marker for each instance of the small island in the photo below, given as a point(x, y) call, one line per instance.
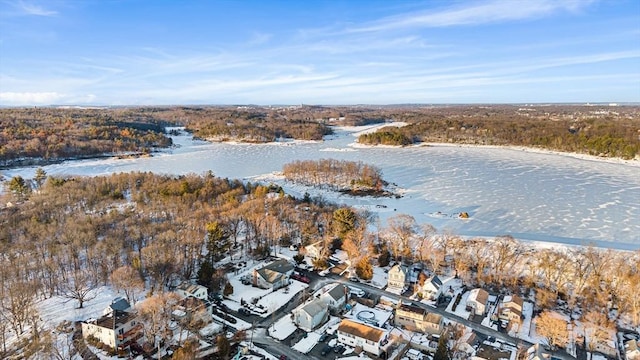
point(349, 177)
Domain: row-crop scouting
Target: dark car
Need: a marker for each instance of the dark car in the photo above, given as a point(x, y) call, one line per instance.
point(323, 337)
point(283, 357)
point(325, 350)
point(338, 349)
point(243, 311)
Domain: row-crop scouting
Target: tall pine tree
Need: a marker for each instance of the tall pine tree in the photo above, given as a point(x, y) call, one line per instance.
point(442, 352)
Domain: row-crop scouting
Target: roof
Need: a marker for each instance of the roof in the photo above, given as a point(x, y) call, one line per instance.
point(280, 266)
point(337, 292)
point(113, 321)
point(119, 304)
point(412, 309)
point(514, 299)
point(479, 295)
point(398, 267)
point(314, 307)
point(631, 345)
point(360, 330)
point(435, 280)
point(270, 276)
point(433, 318)
point(190, 288)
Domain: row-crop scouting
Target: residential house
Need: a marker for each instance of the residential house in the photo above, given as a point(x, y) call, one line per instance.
point(477, 301)
point(314, 250)
point(416, 318)
point(336, 298)
point(370, 339)
point(117, 304)
point(432, 288)
point(397, 278)
point(186, 290)
point(273, 276)
point(631, 350)
point(117, 330)
point(310, 315)
point(537, 352)
point(510, 309)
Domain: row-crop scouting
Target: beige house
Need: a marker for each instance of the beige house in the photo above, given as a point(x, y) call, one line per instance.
point(117, 330)
point(273, 276)
point(631, 350)
point(510, 309)
point(314, 250)
point(371, 339)
point(186, 290)
point(416, 318)
point(397, 278)
point(477, 301)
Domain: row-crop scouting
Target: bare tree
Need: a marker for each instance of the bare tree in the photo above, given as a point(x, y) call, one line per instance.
point(80, 287)
point(553, 328)
point(127, 280)
point(155, 314)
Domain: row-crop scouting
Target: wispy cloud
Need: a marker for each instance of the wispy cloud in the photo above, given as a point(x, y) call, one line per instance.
point(30, 8)
point(476, 13)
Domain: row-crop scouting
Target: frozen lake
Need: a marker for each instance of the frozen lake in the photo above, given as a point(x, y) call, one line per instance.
point(529, 195)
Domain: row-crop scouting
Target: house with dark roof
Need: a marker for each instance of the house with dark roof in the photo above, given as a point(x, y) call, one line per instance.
point(273, 276)
point(370, 339)
point(477, 301)
point(432, 288)
point(117, 330)
point(510, 309)
point(418, 319)
point(310, 315)
point(117, 304)
point(336, 298)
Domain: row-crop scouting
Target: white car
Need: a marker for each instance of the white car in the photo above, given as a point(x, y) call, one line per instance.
point(357, 292)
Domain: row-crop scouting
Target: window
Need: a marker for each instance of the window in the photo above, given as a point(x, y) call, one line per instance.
point(121, 331)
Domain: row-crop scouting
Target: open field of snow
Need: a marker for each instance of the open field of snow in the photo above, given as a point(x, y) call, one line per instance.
point(530, 194)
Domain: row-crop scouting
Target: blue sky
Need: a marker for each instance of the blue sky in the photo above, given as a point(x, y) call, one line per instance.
point(136, 52)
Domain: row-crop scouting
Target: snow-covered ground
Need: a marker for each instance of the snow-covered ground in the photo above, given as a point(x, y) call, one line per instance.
point(282, 328)
point(461, 309)
point(307, 343)
point(530, 194)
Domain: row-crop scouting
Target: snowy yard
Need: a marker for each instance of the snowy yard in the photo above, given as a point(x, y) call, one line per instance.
point(461, 309)
point(282, 328)
point(307, 343)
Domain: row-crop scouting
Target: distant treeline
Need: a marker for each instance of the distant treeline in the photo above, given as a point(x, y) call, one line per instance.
point(334, 174)
point(44, 135)
point(584, 130)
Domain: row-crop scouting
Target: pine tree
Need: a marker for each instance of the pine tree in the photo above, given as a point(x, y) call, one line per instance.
point(442, 352)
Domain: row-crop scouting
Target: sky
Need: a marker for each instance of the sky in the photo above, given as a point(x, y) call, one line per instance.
point(338, 52)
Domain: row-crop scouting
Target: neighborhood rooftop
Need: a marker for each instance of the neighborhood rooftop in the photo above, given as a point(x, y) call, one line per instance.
point(360, 330)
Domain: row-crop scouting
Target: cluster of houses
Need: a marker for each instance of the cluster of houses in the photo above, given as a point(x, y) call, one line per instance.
point(119, 327)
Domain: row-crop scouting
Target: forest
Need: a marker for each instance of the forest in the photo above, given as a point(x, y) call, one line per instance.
point(341, 175)
point(586, 130)
point(39, 136)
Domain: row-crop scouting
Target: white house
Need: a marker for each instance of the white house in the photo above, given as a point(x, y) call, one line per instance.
point(314, 250)
point(336, 298)
point(273, 276)
point(432, 288)
point(536, 352)
point(397, 278)
point(310, 315)
point(117, 330)
point(370, 339)
point(477, 301)
point(186, 290)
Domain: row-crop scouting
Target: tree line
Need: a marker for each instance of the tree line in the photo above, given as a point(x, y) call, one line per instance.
point(334, 174)
point(45, 135)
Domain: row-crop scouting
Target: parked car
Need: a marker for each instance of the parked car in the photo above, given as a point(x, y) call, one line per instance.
point(325, 350)
point(339, 349)
point(323, 337)
point(354, 279)
point(283, 357)
point(301, 278)
point(243, 311)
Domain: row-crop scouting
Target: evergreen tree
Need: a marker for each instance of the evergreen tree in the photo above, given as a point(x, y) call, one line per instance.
point(442, 352)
